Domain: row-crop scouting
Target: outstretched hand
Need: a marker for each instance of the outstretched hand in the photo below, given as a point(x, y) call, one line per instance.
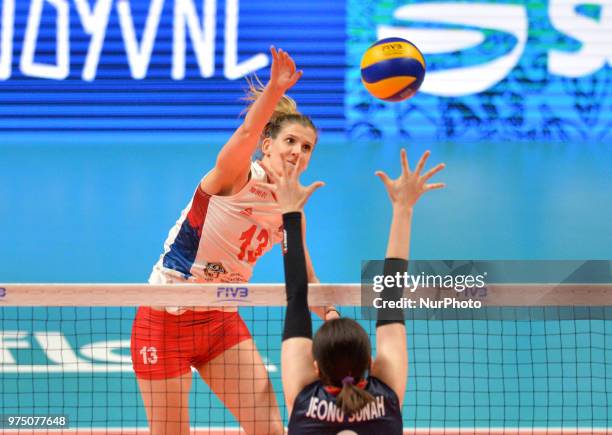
point(289, 192)
point(283, 74)
point(405, 190)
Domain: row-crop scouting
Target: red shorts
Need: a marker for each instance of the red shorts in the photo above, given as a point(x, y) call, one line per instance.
point(166, 346)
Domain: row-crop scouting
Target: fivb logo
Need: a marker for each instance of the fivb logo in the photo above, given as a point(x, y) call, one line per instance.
point(232, 294)
point(594, 35)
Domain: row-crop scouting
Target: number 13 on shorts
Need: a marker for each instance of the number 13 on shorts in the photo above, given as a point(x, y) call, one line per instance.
point(149, 355)
point(247, 251)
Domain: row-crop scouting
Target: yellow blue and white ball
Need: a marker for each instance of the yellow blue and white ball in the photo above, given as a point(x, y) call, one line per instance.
point(392, 69)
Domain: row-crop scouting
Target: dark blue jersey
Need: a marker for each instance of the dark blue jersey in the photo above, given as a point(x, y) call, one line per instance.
point(315, 412)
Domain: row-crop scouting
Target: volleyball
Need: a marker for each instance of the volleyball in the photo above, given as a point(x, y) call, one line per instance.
point(392, 69)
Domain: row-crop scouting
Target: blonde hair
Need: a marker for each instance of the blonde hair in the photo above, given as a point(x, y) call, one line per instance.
point(286, 110)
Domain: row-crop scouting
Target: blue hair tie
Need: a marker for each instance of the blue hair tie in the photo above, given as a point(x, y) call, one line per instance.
point(348, 380)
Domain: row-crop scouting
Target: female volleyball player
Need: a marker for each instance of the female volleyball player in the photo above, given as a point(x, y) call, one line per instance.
point(227, 226)
point(327, 390)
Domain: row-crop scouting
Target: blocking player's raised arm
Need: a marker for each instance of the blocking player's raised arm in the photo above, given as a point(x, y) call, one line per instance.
point(391, 363)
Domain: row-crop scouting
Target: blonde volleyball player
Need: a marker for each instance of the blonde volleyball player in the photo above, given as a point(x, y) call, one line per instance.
point(227, 226)
point(331, 384)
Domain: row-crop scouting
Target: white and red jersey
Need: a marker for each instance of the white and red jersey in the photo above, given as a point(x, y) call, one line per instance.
point(219, 238)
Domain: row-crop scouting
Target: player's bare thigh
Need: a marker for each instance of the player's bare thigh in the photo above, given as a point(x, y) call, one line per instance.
point(167, 404)
point(240, 379)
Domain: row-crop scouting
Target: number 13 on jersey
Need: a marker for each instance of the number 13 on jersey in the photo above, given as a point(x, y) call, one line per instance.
point(247, 250)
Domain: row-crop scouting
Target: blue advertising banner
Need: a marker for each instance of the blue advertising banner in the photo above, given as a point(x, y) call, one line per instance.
point(520, 70)
point(161, 65)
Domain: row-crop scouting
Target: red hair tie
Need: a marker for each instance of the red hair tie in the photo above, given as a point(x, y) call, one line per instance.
point(332, 389)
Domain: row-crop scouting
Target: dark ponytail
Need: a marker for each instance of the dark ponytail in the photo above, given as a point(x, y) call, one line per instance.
point(352, 398)
point(341, 348)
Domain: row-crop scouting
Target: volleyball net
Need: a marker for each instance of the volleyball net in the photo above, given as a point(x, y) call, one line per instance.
point(536, 359)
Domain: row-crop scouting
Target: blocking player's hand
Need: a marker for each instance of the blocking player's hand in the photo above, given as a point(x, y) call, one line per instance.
point(406, 189)
point(290, 194)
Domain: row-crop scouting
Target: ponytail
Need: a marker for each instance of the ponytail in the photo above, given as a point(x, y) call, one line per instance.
point(286, 109)
point(286, 105)
point(352, 397)
point(341, 348)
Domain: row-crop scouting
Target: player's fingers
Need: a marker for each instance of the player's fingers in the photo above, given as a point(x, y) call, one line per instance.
point(433, 171)
point(285, 165)
point(404, 160)
point(266, 186)
point(314, 186)
point(332, 314)
point(293, 169)
point(283, 57)
point(422, 161)
point(434, 186)
point(274, 53)
point(279, 57)
point(384, 177)
point(295, 77)
point(291, 64)
point(272, 175)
